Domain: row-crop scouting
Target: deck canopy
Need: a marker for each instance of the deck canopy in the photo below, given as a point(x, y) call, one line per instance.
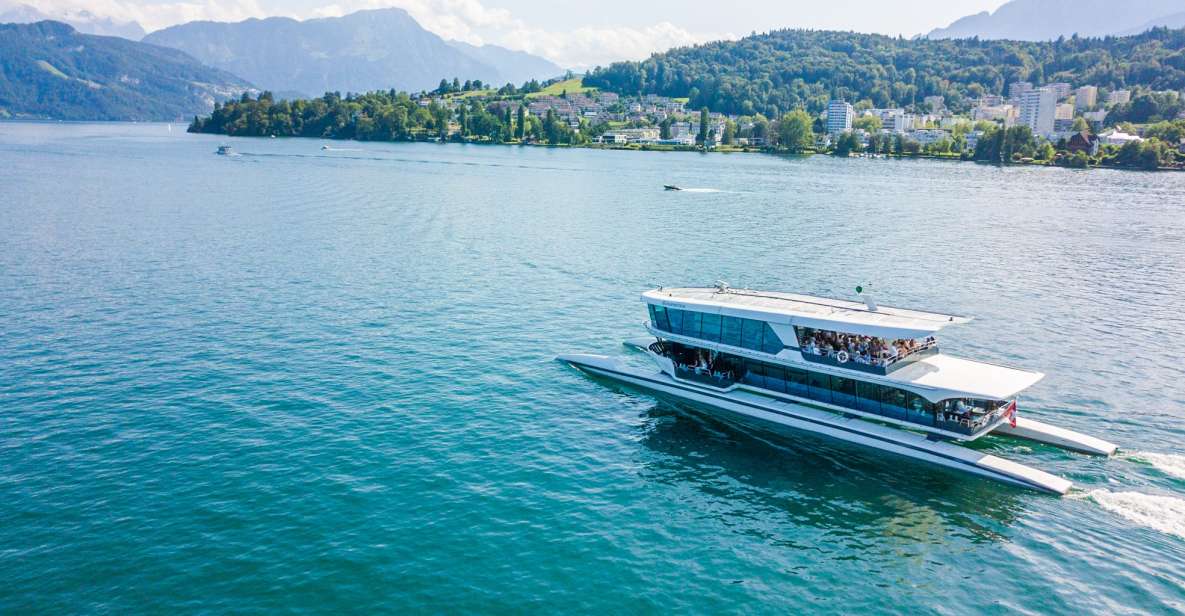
point(939, 377)
point(806, 311)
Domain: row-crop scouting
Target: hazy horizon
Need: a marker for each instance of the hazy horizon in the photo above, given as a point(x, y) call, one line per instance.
point(570, 34)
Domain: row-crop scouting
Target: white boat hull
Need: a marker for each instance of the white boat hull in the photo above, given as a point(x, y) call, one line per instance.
point(1052, 435)
point(826, 423)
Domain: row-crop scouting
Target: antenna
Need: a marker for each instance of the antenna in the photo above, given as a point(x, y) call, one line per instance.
point(865, 293)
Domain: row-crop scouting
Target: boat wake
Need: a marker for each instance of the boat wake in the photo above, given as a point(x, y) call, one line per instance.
point(700, 190)
point(1163, 513)
point(1167, 463)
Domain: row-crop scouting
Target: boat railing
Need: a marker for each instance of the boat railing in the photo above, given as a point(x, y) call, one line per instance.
point(875, 365)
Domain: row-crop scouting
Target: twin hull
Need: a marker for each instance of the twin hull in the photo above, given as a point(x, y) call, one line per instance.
point(835, 425)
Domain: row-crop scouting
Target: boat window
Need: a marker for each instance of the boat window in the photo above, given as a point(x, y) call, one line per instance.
point(796, 382)
point(691, 321)
point(770, 342)
point(775, 378)
point(917, 409)
point(751, 334)
point(731, 331)
point(843, 391)
point(819, 387)
point(893, 402)
point(754, 374)
point(658, 316)
point(710, 327)
point(868, 397)
point(676, 318)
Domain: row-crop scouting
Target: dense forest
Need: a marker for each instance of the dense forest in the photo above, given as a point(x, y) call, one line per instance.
point(789, 69)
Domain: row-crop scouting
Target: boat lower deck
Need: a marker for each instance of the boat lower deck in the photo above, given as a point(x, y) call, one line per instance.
point(835, 425)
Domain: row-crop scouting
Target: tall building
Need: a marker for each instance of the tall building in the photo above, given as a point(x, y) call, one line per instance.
point(1065, 111)
point(1086, 97)
point(1119, 97)
point(1038, 109)
point(1060, 88)
point(839, 117)
point(1017, 89)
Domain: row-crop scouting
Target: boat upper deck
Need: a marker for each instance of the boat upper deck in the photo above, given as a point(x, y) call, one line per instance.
point(807, 311)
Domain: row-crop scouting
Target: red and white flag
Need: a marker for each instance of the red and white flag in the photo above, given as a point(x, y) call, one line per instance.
point(1010, 411)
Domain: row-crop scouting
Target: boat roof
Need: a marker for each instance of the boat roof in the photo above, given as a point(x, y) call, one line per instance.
point(807, 311)
point(940, 376)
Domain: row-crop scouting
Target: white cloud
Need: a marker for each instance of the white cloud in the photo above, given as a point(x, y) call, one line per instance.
point(152, 16)
point(464, 20)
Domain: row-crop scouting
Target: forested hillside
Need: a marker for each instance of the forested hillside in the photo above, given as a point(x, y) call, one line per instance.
point(48, 70)
point(786, 69)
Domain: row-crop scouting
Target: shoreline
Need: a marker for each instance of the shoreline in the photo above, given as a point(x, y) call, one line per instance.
point(700, 150)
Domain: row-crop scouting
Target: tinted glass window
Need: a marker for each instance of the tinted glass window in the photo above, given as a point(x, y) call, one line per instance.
point(917, 410)
point(691, 323)
point(731, 331)
point(676, 318)
point(770, 342)
point(753, 374)
point(751, 334)
point(796, 382)
point(660, 318)
point(893, 402)
point(868, 397)
point(819, 387)
point(775, 378)
point(843, 391)
point(710, 327)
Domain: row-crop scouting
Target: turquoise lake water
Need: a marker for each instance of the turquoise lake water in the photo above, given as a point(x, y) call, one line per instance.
point(323, 380)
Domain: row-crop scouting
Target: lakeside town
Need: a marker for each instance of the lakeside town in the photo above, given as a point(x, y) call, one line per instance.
point(1053, 124)
point(1070, 121)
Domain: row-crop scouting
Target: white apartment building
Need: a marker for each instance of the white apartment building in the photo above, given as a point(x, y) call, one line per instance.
point(1038, 109)
point(839, 117)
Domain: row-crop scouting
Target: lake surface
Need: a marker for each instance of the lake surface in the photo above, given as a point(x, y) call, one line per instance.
point(323, 380)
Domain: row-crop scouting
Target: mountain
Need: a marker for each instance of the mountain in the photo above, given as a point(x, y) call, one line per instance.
point(368, 50)
point(784, 70)
point(1044, 20)
point(513, 66)
point(50, 70)
point(1174, 21)
point(83, 21)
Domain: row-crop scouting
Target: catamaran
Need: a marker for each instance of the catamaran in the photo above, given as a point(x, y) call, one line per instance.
point(850, 370)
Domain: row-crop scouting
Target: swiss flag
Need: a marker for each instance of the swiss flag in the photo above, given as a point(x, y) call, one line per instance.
point(1010, 411)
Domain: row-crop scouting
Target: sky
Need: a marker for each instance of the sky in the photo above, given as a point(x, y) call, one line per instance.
point(572, 34)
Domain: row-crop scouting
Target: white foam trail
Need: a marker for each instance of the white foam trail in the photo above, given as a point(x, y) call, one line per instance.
point(1170, 464)
point(1163, 513)
point(701, 190)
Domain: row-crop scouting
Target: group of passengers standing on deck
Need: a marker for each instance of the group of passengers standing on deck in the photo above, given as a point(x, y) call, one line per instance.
point(861, 349)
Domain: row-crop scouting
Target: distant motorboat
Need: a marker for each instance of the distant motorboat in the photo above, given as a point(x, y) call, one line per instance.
point(671, 187)
point(225, 150)
point(324, 147)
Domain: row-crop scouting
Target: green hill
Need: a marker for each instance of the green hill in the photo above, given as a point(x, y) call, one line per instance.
point(783, 70)
point(49, 70)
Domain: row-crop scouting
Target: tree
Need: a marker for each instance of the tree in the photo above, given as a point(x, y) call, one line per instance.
point(521, 124)
point(794, 131)
point(846, 144)
point(702, 138)
point(664, 128)
point(1081, 125)
point(869, 123)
